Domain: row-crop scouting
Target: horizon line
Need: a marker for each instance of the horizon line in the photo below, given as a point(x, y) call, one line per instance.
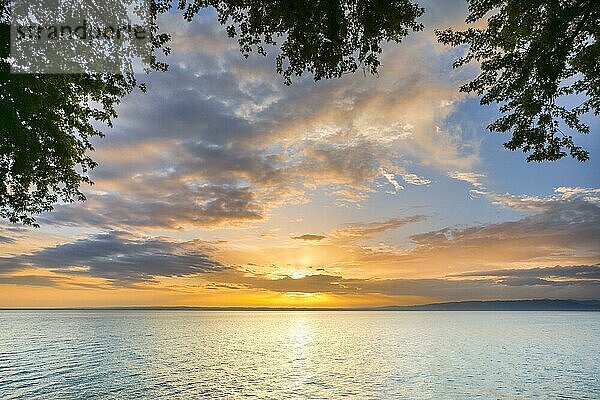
point(466, 305)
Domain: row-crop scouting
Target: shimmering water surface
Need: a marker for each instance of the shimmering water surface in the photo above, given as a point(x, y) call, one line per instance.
point(300, 355)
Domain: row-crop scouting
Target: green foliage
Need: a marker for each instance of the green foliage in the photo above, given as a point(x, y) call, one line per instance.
point(533, 56)
point(46, 123)
point(45, 131)
point(327, 38)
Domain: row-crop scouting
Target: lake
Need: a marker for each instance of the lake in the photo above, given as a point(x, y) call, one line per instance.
point(133, 354)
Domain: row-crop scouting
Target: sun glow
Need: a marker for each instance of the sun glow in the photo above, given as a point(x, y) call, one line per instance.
point(297, 275)
point(301, 294)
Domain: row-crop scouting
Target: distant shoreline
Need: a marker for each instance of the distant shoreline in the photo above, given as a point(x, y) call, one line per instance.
point(491, 305)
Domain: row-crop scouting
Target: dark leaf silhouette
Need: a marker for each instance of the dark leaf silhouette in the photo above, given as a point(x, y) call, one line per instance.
point(532, 54)
point(46, 123)
point(327, 38)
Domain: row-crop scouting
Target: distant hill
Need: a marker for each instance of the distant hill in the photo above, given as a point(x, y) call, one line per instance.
point(504, 305)
point(492, 305)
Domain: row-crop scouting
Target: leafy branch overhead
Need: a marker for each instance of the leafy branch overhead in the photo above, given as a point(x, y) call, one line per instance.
point(47, 122)
point(532, 54)
point(327, 38)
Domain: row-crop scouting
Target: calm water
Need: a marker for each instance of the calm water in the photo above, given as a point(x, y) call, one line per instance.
point(303, 355)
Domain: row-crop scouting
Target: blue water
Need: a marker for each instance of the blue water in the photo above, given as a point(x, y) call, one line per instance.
point(298, 355)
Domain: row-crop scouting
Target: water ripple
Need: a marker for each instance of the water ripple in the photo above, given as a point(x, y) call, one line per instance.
point(298, 355)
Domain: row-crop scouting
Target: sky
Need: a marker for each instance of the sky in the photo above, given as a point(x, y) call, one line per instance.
point(222, 186)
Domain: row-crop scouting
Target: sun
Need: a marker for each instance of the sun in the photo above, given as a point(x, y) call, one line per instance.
point(297, 275)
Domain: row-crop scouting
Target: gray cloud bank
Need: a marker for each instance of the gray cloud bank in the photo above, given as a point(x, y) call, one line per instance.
point(119, 257)
point(220, 140)
point(581, 283)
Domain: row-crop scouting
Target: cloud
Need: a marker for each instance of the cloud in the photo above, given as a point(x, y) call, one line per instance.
point(482, 261)
point(119, 257)
point(566, 233)
point(443, 289)
point(184, 206)
point(516, 202)
point(575, 272)
point(392, 180)
point(562, 231)
point(9, 234)
point(415, 179)
point(527, 203)
point(474, 178)
point(588, 194)
point(6, 239)
point(368, 229)
point(536, 203)
point(309, 237)
point(224, 142)
point(28, 280)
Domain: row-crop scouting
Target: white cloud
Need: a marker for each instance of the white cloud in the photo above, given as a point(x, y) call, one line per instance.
point(415, 179)
point(589, 194)
point(474, 178)
point(391, 178)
